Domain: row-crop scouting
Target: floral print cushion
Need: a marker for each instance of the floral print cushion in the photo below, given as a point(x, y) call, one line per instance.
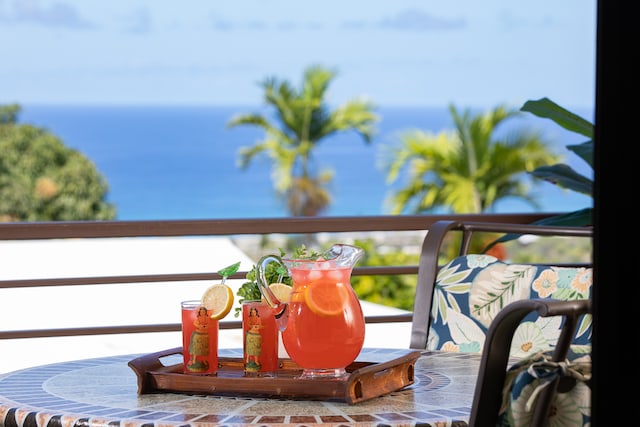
point(471, 289)
point(571, 405)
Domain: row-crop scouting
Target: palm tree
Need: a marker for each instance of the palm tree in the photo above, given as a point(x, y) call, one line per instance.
point(303, 119)
point(466, 170)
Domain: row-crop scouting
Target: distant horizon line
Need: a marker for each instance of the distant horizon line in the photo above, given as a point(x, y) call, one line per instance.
point(257, 106)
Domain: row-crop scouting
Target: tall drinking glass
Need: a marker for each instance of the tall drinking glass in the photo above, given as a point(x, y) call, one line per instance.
point(260, 342)
point(199, 339)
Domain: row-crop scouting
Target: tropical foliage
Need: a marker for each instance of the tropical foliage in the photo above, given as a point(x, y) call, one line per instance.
point(562, 174)
point(393, 291)
point(42, 180)
point(302, 119)
point(466, 170)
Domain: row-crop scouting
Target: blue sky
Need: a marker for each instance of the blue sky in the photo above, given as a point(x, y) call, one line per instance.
point(207, 52)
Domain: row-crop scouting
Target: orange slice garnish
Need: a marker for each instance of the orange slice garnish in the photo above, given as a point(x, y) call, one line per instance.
point(326, 298)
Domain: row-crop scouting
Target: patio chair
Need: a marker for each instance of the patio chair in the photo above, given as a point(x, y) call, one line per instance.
point(520, 317)
point(550, 379)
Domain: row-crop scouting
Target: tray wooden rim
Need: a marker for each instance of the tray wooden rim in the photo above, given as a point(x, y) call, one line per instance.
point(365, 380)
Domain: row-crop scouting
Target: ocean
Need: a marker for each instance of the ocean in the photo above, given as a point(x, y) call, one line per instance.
point(179, 162)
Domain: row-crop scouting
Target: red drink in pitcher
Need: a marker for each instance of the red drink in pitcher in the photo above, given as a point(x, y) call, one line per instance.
point(325, 330)
point(322, 324)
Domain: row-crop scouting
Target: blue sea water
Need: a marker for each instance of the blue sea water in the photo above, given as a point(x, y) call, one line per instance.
point(181, 162)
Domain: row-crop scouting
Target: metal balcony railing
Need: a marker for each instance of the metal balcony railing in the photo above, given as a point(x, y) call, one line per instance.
point(217, 227)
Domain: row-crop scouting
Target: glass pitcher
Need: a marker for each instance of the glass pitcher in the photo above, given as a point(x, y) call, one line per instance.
point(322, 324)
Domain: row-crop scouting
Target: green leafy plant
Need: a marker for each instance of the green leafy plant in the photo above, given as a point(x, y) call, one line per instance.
point(41, 179)
point(562, 174)
point(274, 273)
point(393, 291)
point(249, 290)
point(302, 252)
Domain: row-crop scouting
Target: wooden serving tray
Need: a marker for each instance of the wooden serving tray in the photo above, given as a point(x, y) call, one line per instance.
point(365, 381)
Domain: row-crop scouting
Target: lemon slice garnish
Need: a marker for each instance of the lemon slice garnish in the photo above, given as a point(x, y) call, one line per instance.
point(281, 291)
point(218, 300)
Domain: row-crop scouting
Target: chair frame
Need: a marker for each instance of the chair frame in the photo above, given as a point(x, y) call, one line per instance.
point(487, 396)
point(495, 360)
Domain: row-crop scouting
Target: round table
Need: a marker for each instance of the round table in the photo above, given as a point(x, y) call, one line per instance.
point(103, 392)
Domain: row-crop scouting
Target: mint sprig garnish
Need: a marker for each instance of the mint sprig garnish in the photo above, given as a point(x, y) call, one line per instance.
point(274, 273)
point(249, 290)
point(302, 252)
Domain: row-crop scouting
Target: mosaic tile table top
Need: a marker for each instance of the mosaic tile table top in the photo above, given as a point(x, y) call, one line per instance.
point(103, 393)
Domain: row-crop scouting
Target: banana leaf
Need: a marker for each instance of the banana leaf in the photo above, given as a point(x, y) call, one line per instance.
point(564, 176)
point(548, 109)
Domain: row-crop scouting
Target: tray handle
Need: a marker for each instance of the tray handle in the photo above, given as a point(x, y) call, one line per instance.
point(376, 380)
point(148, 363)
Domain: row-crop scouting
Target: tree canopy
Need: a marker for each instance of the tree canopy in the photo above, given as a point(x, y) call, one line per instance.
point(43, 180)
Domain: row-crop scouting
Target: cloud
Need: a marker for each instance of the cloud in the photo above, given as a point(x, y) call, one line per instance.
point(417, 20)
point(257, 25)
point(140, 21)
point(407, 20)
point(287, 25)
point(509, 20)
point(58, 15)
point(220, 24)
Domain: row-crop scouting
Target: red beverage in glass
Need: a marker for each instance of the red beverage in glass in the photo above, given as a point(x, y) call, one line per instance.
point(260, 342)
point(327, 336)
point(199, 339)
